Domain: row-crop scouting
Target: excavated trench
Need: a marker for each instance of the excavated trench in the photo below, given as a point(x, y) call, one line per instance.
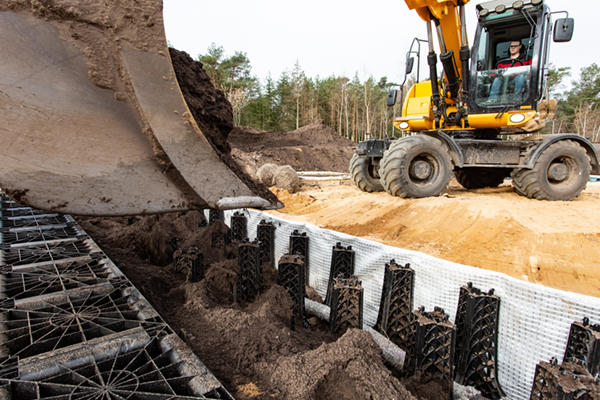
point(72, 319)
point(67, 304)
point(249, 346)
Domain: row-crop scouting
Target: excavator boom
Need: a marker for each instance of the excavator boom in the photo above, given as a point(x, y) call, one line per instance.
point(93, 120)
point(450, 25)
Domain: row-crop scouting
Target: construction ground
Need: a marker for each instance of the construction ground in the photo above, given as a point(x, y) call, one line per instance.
point(250, 347)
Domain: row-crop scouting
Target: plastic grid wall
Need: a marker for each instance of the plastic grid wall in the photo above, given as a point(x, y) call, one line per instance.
point(534, 320)
point(70, 319)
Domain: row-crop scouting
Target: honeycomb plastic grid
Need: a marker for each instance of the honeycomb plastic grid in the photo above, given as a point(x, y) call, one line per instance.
point(291, 277)
point(346, 304)
point(48, 252)
point(26, 238)
point(583, 345)
point(40, 327)
point(534, 320)
point(36, 281)
point(238, 223)
point(37, 221)
point(144, 371)
point(21, 212)
point(476, 330)
point(251, 270)
point(55, 282)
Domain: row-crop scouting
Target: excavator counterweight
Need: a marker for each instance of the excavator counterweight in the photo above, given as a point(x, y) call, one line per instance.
point(93, 119)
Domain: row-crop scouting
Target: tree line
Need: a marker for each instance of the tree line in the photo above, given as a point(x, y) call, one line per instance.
point(358, 109)
point(355, 109)
point(578, 108)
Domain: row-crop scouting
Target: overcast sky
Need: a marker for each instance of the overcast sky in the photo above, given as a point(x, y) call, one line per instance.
point(334, 37)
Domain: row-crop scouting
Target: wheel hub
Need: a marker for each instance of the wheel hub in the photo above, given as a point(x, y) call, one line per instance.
point(558, 172)
point(420, 170)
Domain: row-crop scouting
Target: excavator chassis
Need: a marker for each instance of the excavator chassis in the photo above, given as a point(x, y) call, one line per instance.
point(561, 164)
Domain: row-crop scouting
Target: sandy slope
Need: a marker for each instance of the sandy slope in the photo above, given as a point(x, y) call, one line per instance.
point(556, 244)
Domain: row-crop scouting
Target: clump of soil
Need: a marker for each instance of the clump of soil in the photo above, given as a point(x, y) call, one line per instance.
point(250, 348)
point(314, 147)
point(427, 387)
point(286, 178)
point(350, 368)
point(212, 112)
point(265, 173)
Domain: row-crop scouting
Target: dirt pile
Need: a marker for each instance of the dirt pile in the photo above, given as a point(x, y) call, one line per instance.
point(350, 368)
point(314, 147)
point(249, 347)
point(212, 112)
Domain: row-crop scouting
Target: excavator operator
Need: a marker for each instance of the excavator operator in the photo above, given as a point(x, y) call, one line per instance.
point(517, 58)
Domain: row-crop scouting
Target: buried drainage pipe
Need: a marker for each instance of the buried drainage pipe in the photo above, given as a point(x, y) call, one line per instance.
point(390, 352)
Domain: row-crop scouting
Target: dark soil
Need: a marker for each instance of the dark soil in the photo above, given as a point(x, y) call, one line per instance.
point(250, 348)
point(213, 114)
point(315, 147)
point(427, 388)
point(211, 110)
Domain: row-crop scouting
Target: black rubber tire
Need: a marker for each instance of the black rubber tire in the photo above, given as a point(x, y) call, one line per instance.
point(404, 156)
point(535, 183)
point(365, 174)
point(479, 178)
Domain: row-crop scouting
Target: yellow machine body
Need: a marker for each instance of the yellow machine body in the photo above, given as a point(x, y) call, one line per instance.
point(417, 114)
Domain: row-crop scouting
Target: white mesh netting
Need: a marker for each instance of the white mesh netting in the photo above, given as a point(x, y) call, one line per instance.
point(534, 320)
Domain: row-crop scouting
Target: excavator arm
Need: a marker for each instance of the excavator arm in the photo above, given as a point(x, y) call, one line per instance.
point(93, 119)
point(448, 16)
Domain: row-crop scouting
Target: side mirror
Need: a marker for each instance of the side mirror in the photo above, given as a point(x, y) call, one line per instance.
point(563, 30)
point(391, 99)
point(480, 65)
point(409, 65)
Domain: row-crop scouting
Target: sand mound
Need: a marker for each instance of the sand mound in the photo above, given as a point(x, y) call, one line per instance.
point(494, 229)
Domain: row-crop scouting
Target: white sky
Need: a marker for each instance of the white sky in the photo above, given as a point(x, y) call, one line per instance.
point(339, 37)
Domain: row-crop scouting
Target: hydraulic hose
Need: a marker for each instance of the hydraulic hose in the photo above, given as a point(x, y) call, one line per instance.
point(435, 89)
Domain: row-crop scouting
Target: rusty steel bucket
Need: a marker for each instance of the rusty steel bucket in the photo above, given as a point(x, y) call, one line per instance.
point(92, 118)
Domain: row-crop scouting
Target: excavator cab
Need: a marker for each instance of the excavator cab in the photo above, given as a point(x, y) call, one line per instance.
point(499, 82)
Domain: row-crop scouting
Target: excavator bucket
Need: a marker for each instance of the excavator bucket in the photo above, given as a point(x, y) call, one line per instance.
point(93, 121)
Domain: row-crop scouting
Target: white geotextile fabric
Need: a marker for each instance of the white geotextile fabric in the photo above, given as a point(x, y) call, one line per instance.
point(534, 320)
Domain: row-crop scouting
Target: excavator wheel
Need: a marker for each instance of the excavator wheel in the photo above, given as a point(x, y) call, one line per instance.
point(479, 178)
point(364, 174)
point(416, 166)
point(560, 173)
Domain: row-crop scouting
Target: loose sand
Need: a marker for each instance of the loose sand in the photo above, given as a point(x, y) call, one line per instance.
point(555, 244)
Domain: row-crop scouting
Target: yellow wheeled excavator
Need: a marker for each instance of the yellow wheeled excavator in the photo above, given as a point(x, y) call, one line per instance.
point(465, 120)
point(93, 121)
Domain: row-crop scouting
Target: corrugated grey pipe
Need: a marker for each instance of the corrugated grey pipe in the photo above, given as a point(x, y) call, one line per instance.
point(390, 352)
